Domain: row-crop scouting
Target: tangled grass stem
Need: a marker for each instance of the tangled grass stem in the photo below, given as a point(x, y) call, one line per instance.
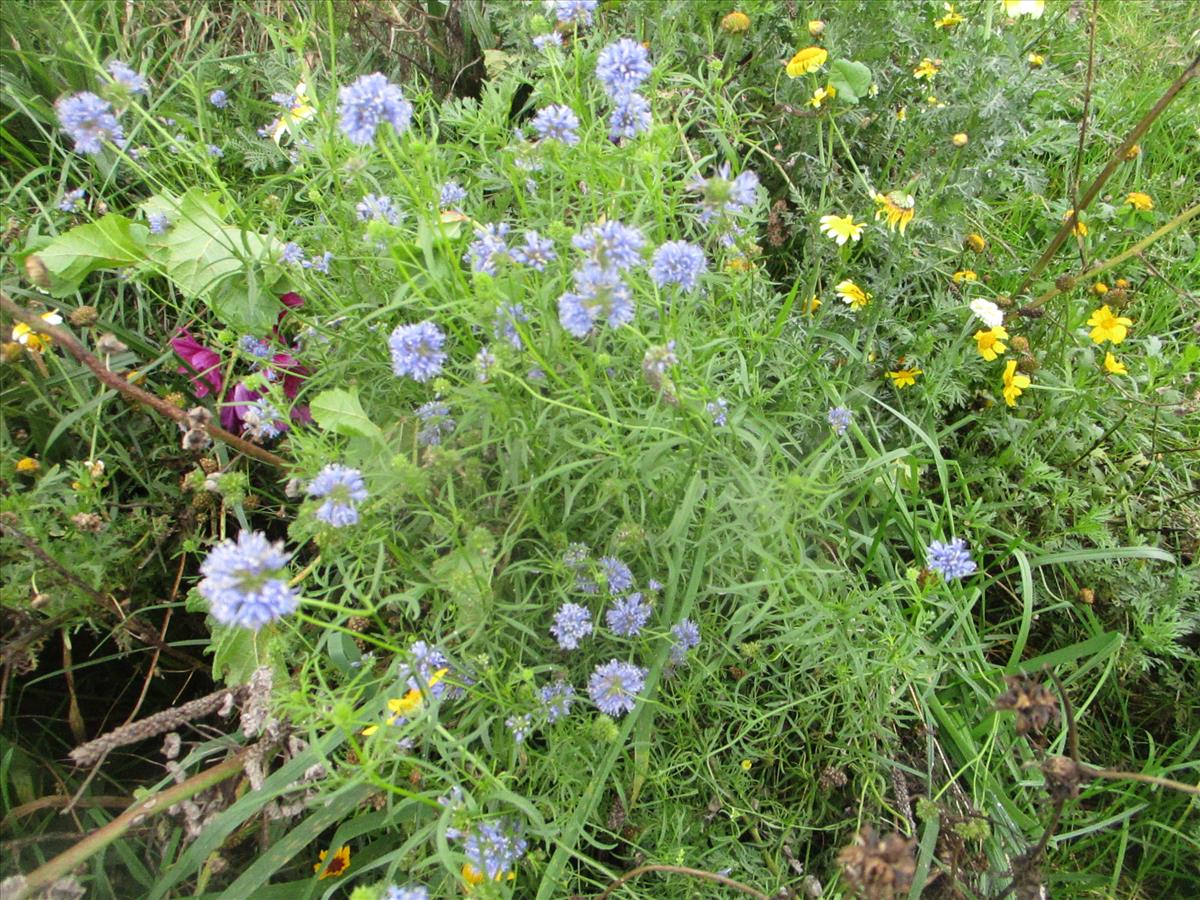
point(682, 870)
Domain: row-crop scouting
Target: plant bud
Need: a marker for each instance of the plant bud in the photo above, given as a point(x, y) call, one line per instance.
point(36, 271)
point(83, 316)
point(1019, 343)
point(1064, 282)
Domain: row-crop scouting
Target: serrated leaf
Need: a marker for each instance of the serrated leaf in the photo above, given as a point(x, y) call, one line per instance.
point(109, 243)
point(234, 655)
point(852, 79)
point(341, 412)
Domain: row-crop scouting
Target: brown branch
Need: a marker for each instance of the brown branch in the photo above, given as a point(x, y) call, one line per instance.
point(133, 392)
point(138, 812)
point(55, 801)
point(1085, 118)
point(683, 870)
point(1118, 156)
point(1118, 775)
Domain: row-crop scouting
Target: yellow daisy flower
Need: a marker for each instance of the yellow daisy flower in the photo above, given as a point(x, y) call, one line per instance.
point(927, 68)
point(898, 207)
point(960, 139)
point(337, 866)
point(902, 114)
point(902, 378)
point(842, 228)
point(852, 295)
point(964, 275)
point(1133, 152)
point(820, 95)
point(27, 465)
point(1108, 326)
point(735, 23)
point(1018, 8)
point(1113, 365)
point(990, 343)
point(1081, 228)
point(813, 303)
point(950, 19)
point(1014, 384)
point(975, 242)
point(807, 60)
point(301, 110)
point(30, 339)
point(404, 707)
point(1099, 288)
point(816, 27)
point(1036, 60)
point(1140, 201)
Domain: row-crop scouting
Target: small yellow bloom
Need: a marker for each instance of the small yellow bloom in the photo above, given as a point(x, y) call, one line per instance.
point(1140, 201)
point(898, 207)
point(337, 866)
point(813, 303)
point(1114, 365)
point(1014, 384)
point(852, 295)
point(950, 19)
point(964, 275)
point(933, 101)
point(902, 114)
point(960, 139)
point(473, 876)
point(820, 95)
point(1122, 283)
point(27, 465)
point(842, 228)
point(1133, 152)
point(990, 343)
point(1108, 326)
point(747, 765)
point(807, 60)
point(30, 339)
point(927, 68)
point(1081, 228)
point(735, 23)
point(739, 264)
point(1099, 288)
point(902, 378)
point(816, 27)
point(301, 110)
point(1036, 60)
point(975, 242)
point(405, 707)
point(1018, 8)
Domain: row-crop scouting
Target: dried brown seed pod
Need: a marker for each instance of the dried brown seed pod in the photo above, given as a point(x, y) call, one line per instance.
point(1034, 703)
point(879, 868)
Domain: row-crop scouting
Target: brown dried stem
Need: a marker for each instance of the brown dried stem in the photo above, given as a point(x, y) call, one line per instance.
point(1118, 156)
point(68, 341)
point(683, 870)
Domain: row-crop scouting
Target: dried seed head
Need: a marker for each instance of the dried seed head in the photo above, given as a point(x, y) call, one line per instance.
point(878, 868)
point(1028, 364)
point(1031, 312)
point(86, 521)
point(198, 417)
point(83, 316)
point(195, 439)
point(1019, 343)
point(1064, 282)
point(110, 345)
point(10, 352)
point(36, 271)
point(832, 777)
point(1063, 777)
point(1087, 595)
point(1034, 703)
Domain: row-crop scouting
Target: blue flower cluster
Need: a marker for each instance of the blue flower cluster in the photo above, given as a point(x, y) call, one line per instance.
point(377, 208)
point(614, 687)
point(488, 248)
point(342, 488)
point(494, 848)
point(451, 194)
point(628, 615)
point(535, 252)
point(952, 560)
point(556, 698)
point(367, 103)
point(435, 423)
point(621, 68)
point(687, 636)
point(158, 222)
point(678, 262)
point(127, 78)
point(219, 99)
point(575, 12)
point(90, 121)
point(408, 892)
point(839, 419)
point(724, 200)
point(572, 623)
point(417, 350)
point(557, 123)
point(246, 582)
point(72, 201)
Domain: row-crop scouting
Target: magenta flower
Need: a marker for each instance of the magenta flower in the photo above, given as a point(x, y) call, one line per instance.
point(203, 364)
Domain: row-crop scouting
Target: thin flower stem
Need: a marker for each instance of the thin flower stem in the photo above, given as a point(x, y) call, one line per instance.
point(131, 391)
point(1186, 216)
point(1116, 774)
point(1118, 156)
point(1084, 119)
point(137, 813)
point(682, 870)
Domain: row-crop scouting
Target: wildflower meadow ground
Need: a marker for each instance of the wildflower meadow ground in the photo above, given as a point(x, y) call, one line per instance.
point(639, 448)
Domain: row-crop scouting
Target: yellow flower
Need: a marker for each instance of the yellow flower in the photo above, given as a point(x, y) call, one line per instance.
point(897, 207)
point(820, 95)
point(404, 707)
point(1014, 384)
point(1122, 283)
point(1036, 60)
point(1080, 229)
point(1099, 288)
point(927, 68)
point(301, 110)
point(852, 295)
point(337, 866)
point(735, 23)
point(1140, 201)
point(902, 114)
point(739, 264)
point(813, 302)
point(816, 27)
point(27, 465)
point(1018, 8)
point(976, 242)
point(747, 764)
point(960, 139)
point(473, 876)
point(1133, 152)
point(30, 339)
point(1107, 326)
point(991, 343)
point(950, 19)
point(1114, 365)
point(934, 102)
point(807, 60)
point(842, 228)
point(904, 377)
point(964, 275)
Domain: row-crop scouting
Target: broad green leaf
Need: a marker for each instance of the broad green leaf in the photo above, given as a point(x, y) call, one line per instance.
point(109, 243)
point(852, 79)
point(339, 411)
point(235, 656)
